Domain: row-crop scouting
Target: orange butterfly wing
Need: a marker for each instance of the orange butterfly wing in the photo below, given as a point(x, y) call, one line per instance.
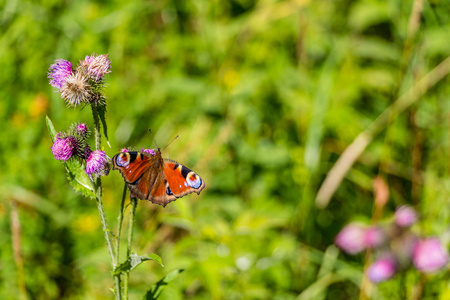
point(182, 180)
point(131, 165)
point(152, 178)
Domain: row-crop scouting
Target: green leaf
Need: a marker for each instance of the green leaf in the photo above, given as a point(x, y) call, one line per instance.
point(102, 115)
point(157, 288)
point(51, 128)
point(156, 258)
point(79, 179)
point(76, 173)
point(135, 260)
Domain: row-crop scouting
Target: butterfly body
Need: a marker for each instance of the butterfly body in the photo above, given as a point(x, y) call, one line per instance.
point(150, 177)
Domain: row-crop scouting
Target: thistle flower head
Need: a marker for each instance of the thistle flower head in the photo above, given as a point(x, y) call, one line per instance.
point(58, 72)
point(75, 90)
point(429, 255)
point(64, 147)
point(96, 66)
point(351, 238)
point(123, 150)
point(97, 164)
point(382, 269)
point(405, 216)
point(151, 151)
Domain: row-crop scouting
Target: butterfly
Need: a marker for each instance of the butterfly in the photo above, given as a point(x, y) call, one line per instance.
point(150, 177)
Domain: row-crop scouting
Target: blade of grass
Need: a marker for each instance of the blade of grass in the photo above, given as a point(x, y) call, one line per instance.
point(357, 147)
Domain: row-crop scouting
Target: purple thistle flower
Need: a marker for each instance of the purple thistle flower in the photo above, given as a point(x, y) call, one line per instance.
point(123, 150)
point(76, 90)
point(58, 72)
point(429, 255)
point(64, 148)
point(96, 66)
point(382, 269)
point(351, 238)
point(97, 164)
point(405, 216)
point(151, 151)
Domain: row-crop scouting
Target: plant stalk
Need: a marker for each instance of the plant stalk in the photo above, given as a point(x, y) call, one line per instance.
point(119, 222)
point(130, 238)
point(101, 210)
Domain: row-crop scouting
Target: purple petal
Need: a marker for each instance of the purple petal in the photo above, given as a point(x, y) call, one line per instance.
point(151, 151)
point(63, 148)
point(58, 72)
point(97, 164)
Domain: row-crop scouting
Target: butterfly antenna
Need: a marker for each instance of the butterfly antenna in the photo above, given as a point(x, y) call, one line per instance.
point(170, 142)
point(153, 136)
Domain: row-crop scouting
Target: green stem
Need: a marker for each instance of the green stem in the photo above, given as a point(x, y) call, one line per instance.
point(130, 238)
point(101, 210)
point(97, 134)
point(119, 222)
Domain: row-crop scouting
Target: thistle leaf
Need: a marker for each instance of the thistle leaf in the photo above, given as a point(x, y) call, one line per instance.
point(102, 115)
point(135, 260)
point(157, 288)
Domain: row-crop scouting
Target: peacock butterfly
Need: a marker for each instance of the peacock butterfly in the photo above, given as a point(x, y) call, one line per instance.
point(150, 177)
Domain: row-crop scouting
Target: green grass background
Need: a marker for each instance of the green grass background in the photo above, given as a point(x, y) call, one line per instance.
point(265, 96)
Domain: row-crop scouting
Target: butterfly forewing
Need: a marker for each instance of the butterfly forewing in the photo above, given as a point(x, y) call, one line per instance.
point(132, 165)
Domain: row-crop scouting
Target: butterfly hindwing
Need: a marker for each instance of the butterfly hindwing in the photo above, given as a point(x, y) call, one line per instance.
point(182, 180)
point(161, 193)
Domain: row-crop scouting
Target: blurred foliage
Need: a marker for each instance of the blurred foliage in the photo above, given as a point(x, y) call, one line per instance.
point(265, 96)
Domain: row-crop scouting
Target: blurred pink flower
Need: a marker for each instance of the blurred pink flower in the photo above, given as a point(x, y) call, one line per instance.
point(374, 237)
point(351, 238)
point(382, 269)
point(429, 255)
point(405, 216)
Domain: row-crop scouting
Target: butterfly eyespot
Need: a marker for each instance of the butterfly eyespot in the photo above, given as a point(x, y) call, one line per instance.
point(193, 180)
point(122, 160)
point(169, 191)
